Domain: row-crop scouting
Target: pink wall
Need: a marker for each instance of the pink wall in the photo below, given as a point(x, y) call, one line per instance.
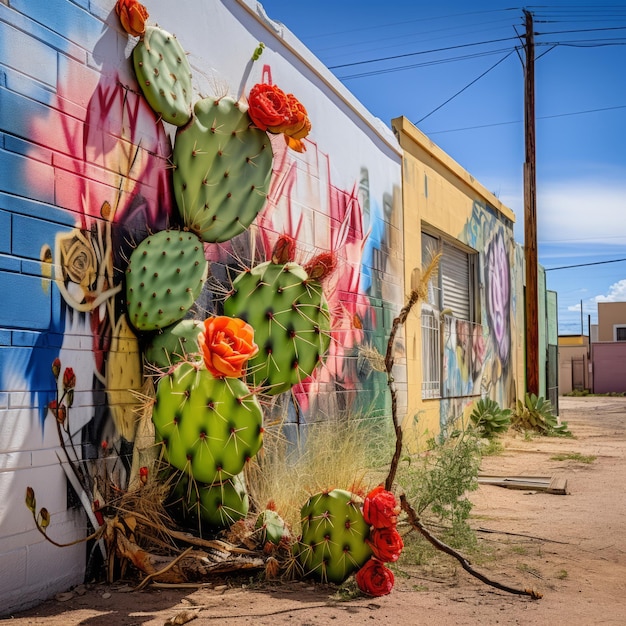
point(609, 367)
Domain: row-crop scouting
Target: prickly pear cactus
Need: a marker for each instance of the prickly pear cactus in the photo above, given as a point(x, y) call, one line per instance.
point(214, 506)
point(209, 426)
point(174, 344)
point(291, 322)
point(272, 527)
point(164, 277)
point(333, 543)
point(222, 170)
point(164, 75)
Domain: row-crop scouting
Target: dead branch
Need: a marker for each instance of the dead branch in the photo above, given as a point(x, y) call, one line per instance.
point(414, 521)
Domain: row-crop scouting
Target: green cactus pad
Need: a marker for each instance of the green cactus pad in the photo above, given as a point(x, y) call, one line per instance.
point(215, 506)
point(272, 526)
point(209, 426)
point(333, 543)
point(291, 322)
point(164, 75)
point(174, 344)
point(163, 279)
point(222, 170)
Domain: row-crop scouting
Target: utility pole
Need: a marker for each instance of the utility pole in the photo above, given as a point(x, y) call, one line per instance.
point(530, 213)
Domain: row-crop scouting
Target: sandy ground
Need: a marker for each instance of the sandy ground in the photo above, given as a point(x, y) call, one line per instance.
point(570, 548)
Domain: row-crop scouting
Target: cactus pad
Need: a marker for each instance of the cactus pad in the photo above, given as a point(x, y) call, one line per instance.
point(173, 344)
point(291, 322)
point(209, 426)
point(222, 170)
point(334, 533)
point(163, 279)
point(164, 75)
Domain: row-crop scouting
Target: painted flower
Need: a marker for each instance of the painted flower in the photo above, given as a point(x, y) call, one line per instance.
point(268, 106)
point(380, 508)
point(59, 412)
point(78, 260)
point(56, 368)
point(227, 343)
point(69, 379)
point(133, 16)
point(386, 544)
point(375, 579)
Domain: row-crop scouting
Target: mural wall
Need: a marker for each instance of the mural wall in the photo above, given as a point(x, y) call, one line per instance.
point(99, 141)
point(479, 358)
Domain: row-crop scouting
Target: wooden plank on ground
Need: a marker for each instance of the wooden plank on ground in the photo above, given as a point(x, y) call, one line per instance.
point(549, 484)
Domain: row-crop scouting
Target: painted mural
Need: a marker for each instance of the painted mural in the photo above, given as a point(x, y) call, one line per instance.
point(183, 245)
point(477, 356)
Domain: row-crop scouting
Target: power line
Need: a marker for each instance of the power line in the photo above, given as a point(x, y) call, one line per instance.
point(567, 267)
point(542, 117)
point(412, 54)
point(464, 88)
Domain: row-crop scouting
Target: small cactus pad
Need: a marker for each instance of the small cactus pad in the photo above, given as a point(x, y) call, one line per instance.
point(334, 534)
point(222, 170)
point(209, 426)
point(272, 526)
point(163, 279)
point(174, 344)
point(164, 75)
point(291, 322)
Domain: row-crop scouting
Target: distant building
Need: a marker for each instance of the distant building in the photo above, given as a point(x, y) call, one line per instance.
point(608, 353)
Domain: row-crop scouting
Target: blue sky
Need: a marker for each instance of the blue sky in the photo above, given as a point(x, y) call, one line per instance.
point(464, 89)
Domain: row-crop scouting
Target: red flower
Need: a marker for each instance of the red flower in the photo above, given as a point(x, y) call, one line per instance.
point(143, 475)
point(271, 109)
point(380, 508)
point(375, 579)
point(56, 368)
point(69, 379)
point(227, 343)
point(386, 544)
point(268, 106)
point(133, 16)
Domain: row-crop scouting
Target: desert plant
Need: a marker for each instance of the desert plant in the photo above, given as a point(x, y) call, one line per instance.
point(489, 419)
point(436, 483)
point(535, 414)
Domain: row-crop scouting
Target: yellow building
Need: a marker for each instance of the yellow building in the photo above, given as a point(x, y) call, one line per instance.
point(465, 339)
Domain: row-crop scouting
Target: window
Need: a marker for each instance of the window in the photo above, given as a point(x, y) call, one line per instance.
point(619, 332)
point(450, 295)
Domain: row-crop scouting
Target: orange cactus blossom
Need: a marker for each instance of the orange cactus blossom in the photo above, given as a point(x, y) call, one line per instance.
point(375, 579)
point(271, 109)
point(133, 16)
point(268, 106)
point(227, 343)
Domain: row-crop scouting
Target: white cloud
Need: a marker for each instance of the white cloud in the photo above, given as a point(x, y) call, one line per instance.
point(582, 210)
point(617, 293)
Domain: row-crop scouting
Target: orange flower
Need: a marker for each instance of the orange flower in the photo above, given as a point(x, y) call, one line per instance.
point(268, 106)
point(375, 579)
point(272, 110)
point(227, 343)
point(133, 16)
point(380, 508)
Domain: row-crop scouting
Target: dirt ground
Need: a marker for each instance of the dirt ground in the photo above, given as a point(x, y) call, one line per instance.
point(571, 548)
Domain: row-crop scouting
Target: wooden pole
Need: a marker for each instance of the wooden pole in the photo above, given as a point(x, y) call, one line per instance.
point(530, 214)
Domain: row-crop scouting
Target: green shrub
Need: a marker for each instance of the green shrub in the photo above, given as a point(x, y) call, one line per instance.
point(535, 414)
